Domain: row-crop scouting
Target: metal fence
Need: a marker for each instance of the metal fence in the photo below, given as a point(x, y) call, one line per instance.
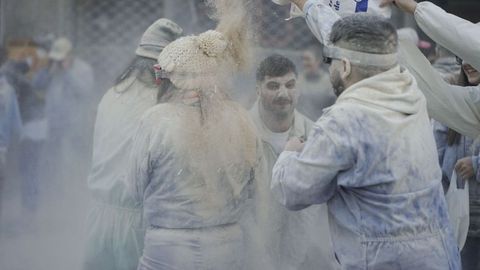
point(107, 31)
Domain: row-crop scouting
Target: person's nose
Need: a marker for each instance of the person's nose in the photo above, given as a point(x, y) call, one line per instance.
point(283, 92)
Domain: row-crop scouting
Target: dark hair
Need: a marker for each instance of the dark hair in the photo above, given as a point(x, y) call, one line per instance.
point(453, 137)
point(275, 65)
point(365, 33)
point(141, 67)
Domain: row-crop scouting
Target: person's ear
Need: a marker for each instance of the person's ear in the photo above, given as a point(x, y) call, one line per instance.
point(346, 70)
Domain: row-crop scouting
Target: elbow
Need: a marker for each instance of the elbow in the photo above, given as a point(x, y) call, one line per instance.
point(286, 197)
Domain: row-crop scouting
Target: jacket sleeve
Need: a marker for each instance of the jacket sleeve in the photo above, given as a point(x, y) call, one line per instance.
point(454, 33)
point(138, 175)
point(310, 177)
point(454, 106)
point(320, 19)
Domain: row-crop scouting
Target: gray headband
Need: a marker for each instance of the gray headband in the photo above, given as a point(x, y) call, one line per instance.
point(361, 58)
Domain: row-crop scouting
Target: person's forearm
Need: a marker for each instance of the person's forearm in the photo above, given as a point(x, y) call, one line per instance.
point(459, 36)
point(299, 3)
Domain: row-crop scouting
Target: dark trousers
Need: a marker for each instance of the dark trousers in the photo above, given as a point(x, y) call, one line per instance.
point(471, 254)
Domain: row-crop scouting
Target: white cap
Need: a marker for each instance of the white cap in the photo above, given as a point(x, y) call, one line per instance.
point(156, 37)
point(60, 49)
point(194, 61)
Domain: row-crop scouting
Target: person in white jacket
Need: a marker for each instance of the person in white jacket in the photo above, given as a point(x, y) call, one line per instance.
point(372, 158)
point(115, 228)
point(282, 239)
point(456, 107)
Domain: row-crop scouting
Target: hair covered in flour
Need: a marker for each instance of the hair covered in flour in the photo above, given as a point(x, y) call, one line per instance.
point(214, 134)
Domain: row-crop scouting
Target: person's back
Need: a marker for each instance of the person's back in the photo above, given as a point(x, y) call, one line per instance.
point(118, 115)
point(392, 187)
point(190, 182)
point(378, 168)
point(115, 225)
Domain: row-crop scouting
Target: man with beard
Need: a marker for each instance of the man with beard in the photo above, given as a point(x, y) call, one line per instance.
point(282, 239)
point(315, 84)
point(371, 157)
point(115, 228)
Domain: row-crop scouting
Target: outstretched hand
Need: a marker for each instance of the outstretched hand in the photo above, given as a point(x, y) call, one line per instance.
point(408, 6)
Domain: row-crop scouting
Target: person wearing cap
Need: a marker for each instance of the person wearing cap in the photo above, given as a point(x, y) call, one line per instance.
point(455, 106)
point(195, 155)
point(371, 157)
point(115, 228)
point(10, 127)
point(68, 99)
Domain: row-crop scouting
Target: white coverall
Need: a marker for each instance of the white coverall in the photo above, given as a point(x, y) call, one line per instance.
point(278, 238)
point(115, 230)
point(373, 159)
point(192, 220)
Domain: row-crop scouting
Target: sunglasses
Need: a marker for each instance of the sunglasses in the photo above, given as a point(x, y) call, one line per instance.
point(459, 60)
point(327, 60)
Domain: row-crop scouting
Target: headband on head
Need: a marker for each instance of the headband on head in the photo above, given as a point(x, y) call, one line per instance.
point(361, 58)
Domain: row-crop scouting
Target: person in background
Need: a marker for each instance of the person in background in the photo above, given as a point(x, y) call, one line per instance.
point(282, 239)
point(10, 127)
point(314, 84)
point(456, 106)
point(68, 109)
point(371, 156)
point(446, 63)
point(459, 153)
point(115, 229)
point(195, 156)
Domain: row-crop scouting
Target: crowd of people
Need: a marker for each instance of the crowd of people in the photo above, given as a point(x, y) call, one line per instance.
point(340, 169)
point(47, 100)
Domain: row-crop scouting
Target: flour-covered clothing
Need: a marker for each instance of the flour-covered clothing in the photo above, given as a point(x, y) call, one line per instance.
point(184, 204)
point(372, 158)
point(283, 239)
point(115, 228)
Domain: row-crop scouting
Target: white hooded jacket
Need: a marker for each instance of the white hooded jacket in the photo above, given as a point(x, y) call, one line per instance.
point(372, 158)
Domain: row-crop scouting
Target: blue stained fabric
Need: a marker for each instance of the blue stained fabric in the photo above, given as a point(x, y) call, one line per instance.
point(362, 6)
point(372, 158)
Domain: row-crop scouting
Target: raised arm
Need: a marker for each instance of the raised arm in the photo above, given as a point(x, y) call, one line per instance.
point(454, 106)
point(454, 33)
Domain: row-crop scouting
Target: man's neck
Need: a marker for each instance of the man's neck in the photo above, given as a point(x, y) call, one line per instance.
point(275, 123)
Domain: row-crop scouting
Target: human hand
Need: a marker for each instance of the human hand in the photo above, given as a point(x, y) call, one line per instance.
point(408, 6)
point(294, 144)
point(464, 168)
